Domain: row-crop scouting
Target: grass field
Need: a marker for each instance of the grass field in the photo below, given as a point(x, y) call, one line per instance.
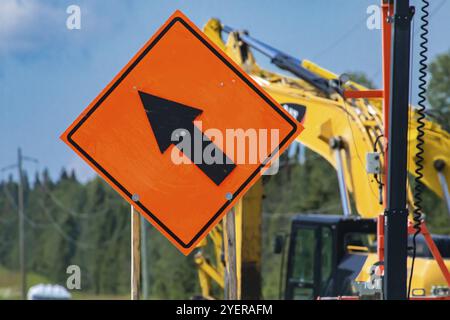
point(10, 287)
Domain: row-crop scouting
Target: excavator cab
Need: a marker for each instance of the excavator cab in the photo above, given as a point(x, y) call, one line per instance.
point(325, 254)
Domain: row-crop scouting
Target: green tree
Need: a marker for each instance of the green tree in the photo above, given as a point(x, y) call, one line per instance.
point(439, 88)
point(8, 224)
point(361, 78)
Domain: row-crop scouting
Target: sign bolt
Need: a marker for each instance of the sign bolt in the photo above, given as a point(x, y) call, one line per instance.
point(229, 196)
point(135, 197)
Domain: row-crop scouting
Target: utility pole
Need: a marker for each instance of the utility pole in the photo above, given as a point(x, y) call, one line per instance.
point(396, 214)
point(21, 226)
point(22, 252)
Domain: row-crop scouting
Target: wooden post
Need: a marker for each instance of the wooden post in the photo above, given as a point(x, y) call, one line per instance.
point(248, 216)
point(135, 254)
point(231, 271)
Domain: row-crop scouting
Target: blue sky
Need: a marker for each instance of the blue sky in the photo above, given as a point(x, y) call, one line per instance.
point(49, 74)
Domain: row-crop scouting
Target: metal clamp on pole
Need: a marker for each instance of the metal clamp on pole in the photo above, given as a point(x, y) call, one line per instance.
point(405, 18)
point(389, 212)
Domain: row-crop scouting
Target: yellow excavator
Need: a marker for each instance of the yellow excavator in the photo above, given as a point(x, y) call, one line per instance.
point(328, 255)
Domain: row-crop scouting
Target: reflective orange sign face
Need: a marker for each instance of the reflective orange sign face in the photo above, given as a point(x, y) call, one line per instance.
point(181, 132)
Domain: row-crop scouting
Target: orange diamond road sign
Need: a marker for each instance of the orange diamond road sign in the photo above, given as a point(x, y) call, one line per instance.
point(180, 84)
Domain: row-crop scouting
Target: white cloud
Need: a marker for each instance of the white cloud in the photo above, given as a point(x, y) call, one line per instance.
point(26, 25)
point(13, 14)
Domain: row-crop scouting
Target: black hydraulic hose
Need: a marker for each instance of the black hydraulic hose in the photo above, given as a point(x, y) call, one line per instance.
point(419, 186)
point(288, 63)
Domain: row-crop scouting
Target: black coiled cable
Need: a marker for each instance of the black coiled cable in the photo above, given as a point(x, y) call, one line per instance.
point(419, 186)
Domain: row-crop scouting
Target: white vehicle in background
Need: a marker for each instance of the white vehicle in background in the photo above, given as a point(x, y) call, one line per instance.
point(48, 292)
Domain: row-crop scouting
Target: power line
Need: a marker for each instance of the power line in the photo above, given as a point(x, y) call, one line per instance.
point(58, 203)
point(21, 221)
point(57, 227)
point(36, 225)
point(61, 205)
point(32, 223)
point(340, 39)
point(55, 200)
point(78, 243)
point(432, 13)
point(11, 201)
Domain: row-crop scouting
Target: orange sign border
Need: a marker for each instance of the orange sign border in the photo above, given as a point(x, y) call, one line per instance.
point(181, 18)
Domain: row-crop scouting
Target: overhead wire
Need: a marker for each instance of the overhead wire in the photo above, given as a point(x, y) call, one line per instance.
point(53, 223)
point(9, 197)
point(340, 39)
point(77, 242)
point(11, 201)
point(431, 14)
point(60, 204)
point(75, 214)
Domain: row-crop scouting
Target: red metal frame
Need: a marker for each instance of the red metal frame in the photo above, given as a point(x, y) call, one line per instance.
point(384, 94)
point(433, 248)
point(429, 298)
point(386, 43)
point(387, 10)
point(369, 94)
point(380, 239)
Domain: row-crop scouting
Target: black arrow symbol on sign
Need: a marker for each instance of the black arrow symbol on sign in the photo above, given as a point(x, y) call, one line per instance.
point(167, 116)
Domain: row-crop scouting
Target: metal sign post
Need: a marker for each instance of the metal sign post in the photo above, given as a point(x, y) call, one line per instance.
point(135, 254)
point(144, 261)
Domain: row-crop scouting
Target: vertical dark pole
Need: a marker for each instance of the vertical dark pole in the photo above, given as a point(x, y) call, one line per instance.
point(22, 254)
point(396, 213)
